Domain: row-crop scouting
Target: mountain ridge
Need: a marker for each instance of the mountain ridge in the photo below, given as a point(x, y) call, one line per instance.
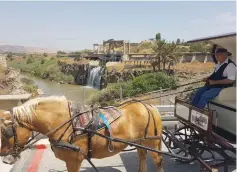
point(25, 49)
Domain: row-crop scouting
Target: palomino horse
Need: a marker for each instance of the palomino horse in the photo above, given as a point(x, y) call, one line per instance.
point(47, 113)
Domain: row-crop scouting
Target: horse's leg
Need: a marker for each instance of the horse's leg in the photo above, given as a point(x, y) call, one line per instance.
point(142, 160)
point(157, 158)
point(73, 166)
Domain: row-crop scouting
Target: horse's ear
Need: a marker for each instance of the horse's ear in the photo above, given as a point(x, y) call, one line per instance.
point(8, 122)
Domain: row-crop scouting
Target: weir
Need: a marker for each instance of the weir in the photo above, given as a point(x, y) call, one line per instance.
point(95, 77)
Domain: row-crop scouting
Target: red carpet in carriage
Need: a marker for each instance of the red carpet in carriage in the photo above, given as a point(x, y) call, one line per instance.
point(110, 113)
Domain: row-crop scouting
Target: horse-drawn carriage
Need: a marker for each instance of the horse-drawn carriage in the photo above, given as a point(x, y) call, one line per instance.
point(206, 135)
point(210, 131)
point(200, 138)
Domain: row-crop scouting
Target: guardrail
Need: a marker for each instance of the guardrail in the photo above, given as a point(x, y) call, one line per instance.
point(9, 101)
point(168, 118)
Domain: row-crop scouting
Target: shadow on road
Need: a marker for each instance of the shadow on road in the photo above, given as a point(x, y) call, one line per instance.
point(90, 169)
point(130, 161)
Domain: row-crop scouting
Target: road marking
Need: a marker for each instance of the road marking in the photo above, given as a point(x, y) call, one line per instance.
point(37, 158)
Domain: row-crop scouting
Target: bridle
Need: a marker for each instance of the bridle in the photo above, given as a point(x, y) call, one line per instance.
point(10, 132)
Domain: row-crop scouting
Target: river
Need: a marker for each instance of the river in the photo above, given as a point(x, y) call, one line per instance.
point(72, 92)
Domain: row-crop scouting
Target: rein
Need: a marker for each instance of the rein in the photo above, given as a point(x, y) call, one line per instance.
point(59, 144)
point(11, 132)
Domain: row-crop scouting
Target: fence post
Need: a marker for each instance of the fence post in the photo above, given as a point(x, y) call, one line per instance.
point(83, 95)
point(121, 93)
point(160, 95)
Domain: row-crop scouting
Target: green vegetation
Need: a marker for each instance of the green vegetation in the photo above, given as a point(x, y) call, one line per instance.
point(167, 52)
point(46, 68)
point(141, 84)
point(29, 86)
point(9, 56)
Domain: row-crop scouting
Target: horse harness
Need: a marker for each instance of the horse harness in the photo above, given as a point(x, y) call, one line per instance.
point(92, 125)
point(90, 129)
point(10, 131)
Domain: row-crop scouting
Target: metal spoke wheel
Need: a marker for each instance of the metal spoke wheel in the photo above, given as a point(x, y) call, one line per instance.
point(182, 141)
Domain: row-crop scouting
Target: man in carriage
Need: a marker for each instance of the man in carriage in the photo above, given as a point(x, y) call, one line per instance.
point(224, 76)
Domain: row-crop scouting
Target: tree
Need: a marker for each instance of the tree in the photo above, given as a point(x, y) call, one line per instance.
point(158, 37)
point(200, 47)
point(165, 52)
point(45, 54)
point(10, 56)
point(158, 47)
point(178, 41)
point(61, 53)
point(169, 53)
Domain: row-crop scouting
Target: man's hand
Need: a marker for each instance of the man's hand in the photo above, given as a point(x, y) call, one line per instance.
point(212, 82)
point(205, 79)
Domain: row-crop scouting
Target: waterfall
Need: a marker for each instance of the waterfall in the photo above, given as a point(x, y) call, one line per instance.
point(95, 77)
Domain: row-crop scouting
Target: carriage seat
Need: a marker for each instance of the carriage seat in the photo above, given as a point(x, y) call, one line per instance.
point(226, 97)
point(224, 106)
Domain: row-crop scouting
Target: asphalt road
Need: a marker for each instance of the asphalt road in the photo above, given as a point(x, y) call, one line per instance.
point(43, 160)
point(123, 162)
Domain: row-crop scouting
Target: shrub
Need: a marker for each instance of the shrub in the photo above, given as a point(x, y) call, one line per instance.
point(141, 84)
point(29, 86)
point(30, 89)
point(30, 60)
point(45, 54)
point(10, 56)
point(42, 61)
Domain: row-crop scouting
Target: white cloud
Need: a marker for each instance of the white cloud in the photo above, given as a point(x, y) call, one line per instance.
point(226, 18)
point(222, 23)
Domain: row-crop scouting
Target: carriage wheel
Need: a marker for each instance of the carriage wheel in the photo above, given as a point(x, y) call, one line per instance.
point(187, 138)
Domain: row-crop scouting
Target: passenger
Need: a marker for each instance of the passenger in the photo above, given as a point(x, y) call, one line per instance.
point(223, 76)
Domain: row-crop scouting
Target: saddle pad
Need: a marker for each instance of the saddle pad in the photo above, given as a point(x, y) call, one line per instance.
point(110, 113)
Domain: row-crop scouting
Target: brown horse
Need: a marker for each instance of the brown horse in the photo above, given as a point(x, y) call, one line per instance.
point(45, 114)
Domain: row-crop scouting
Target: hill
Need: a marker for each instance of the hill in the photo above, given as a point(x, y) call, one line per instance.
point(25, 49)
point(12, 48)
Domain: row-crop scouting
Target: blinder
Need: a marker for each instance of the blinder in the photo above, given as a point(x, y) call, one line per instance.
point(10, 132)
point(7, 132)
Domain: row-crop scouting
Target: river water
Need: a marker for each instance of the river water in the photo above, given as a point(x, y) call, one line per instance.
point(72, 92)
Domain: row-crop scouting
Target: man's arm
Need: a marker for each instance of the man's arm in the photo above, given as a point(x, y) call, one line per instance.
point(223, 81)
point(231, 76)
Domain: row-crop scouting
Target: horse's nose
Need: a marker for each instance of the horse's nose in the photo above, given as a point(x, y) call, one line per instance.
point(9, 159)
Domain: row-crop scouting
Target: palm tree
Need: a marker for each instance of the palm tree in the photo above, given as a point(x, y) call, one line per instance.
point(159, 48)
point(169, 55)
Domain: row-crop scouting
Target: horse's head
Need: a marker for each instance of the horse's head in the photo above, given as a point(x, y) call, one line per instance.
point(13, 138)
point(40, 114)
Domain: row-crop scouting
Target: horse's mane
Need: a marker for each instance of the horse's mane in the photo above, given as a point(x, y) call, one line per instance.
point(27, 109)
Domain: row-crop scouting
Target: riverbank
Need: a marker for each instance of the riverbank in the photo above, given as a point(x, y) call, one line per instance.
point(12, 83)
point(43, 67)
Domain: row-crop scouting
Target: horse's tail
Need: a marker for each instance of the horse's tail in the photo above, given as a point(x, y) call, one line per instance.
point(157, 117)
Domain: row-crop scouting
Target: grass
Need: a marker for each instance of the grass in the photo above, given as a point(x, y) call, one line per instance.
point(194, 67)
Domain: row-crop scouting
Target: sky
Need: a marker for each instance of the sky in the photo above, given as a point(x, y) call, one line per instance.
point(78, 25)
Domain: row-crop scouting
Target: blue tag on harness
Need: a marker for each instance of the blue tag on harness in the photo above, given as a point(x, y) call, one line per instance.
point(105, 121)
